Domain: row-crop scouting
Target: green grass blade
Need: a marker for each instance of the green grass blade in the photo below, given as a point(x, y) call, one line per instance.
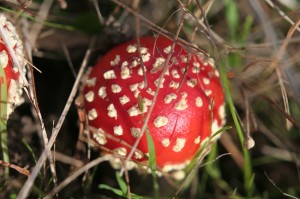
point(235, 60)
point(107, 187)
point(232, 17)
point(152, 163)
point(246, 29)
point(35, 19)
point(3, 185)
point(248, 185)
point(194, 161)
point(3, 116)
point(122, 183)
point(213, 170)
point(30, 150)
point(119, 192)
point(152, 154)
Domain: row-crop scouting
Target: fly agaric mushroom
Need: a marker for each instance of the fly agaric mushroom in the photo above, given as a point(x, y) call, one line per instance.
point(11, 43)
point(188, 110)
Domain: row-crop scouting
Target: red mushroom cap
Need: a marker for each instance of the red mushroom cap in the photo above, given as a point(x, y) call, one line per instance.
point(181, 119)
point(11, 71)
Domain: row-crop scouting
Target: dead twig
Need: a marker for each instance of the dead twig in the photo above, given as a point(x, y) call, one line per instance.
point(77, 173)
point(283, 193)
point(15, 167)
point(28, 184)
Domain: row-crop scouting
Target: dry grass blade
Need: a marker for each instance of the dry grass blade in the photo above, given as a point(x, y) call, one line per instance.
point(282, 13)
point(15, 167)
point(77, 173)
point(283, 193)
point(100, 17)
point(194, 169)
point(33, 36)
point(28, 184)
point(200, 24)
point(281, 154)
point(280, 55)
point(230, 146)
point(37, 27)
point(67, 159)
point(33, 66)
point(158, 29)
point(68, 58)
point(138, 34)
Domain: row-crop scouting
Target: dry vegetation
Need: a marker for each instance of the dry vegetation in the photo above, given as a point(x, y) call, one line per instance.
point(255, 45)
